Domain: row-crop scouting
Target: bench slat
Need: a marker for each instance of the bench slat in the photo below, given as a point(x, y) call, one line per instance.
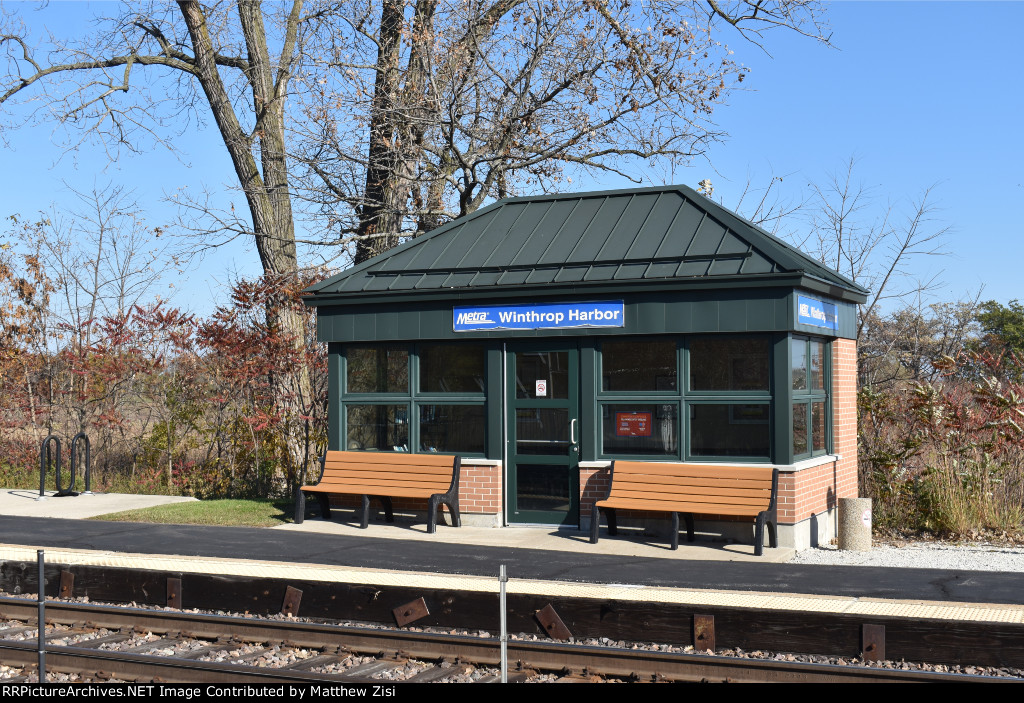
point(392, 471)
point(381, 486)
point(694, 481)
point(695, 508)
point(371, 490)
point(395, 466)
point(745, 496)
point(405, 479)
point(679, 470)
point(441, 460)
point(670, 500)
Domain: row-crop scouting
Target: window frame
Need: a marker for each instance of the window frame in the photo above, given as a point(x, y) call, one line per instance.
point(810, 395)
point(413, 398)
point(684, 398)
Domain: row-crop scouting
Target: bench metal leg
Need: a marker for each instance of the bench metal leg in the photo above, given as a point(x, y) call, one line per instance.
point(365, 522)
point(325, 505)
point(688, 517)
point(389, 513)
point(453, 508)
point(613, 526)
point(300, 507)
point(595, 522)
point(675, 531)
point(433, 505)
point(773, 539)
point(759, 535)
point(434, 508)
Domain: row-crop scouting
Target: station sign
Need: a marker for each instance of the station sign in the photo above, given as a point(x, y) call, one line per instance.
point(817, 313)
point(539, 316)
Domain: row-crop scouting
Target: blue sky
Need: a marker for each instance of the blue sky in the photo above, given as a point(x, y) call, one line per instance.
point(921, 94)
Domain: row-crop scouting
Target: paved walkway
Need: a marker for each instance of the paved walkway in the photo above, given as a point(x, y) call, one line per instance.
point(26, 502)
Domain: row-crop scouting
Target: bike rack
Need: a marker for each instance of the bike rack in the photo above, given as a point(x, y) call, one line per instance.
point(88, 461)
point(45, 459)
point(48, 456)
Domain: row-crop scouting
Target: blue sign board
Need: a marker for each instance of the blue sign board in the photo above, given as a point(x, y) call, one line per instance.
point(817, 313)
point(539, 316)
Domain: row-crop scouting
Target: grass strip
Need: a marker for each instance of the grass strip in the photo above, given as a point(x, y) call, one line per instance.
point(226, 512)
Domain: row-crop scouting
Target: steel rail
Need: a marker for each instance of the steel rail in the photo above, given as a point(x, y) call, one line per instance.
point(542, 656)
point(143, 667)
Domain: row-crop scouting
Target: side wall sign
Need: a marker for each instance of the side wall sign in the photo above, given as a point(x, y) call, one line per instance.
point(817, 312)
point(537, 316)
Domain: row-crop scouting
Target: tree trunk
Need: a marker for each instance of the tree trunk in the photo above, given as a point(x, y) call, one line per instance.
point(267, 194)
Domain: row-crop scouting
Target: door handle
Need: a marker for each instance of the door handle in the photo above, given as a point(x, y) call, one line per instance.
point(572, 431)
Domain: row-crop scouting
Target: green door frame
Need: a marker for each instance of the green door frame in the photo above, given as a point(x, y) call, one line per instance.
point(558, 470)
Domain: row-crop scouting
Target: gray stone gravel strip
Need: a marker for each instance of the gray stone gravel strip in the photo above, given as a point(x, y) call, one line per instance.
point(921, 555)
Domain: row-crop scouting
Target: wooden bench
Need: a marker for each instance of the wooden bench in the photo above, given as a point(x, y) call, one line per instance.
point(690, 489)
point(434, 477)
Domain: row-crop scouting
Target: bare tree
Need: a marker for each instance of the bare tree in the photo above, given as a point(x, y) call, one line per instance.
point(424, 116)
point(911, 342)
point(408, 112)
point(873, 246)
point(199, 59)
point(102, 257)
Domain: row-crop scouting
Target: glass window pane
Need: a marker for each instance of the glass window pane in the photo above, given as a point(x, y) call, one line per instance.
point(799, 429)
point(542, 487)
point(542, 431)
point(817, 366)
point(382, 368)
point(452, 368)
point(638, 365)
point(729, 363)
point(452, 429)
point(818, 426)
point(550, 368)
point(799, 371)
point(640, 428)
point(383, 428)
point(740, 429)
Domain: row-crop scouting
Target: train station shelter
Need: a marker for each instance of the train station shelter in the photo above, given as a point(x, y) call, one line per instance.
point(540, 338)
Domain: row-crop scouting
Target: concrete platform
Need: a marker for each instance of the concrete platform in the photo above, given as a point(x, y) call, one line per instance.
point(23, 502)
point(26, 502)
point(530, 553)
point(628, 543)
point(346, 549)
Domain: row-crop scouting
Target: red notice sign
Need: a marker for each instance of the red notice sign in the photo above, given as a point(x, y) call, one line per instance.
point(633, 424)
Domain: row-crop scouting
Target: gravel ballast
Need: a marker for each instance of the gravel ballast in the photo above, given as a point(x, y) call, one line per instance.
point(921, 555)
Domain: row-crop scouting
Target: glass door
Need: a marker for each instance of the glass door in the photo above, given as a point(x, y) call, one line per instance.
point(543, 434)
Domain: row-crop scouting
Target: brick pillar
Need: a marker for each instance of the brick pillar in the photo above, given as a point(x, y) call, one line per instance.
point(480, 489)
point(808, 498)
point(593, 486)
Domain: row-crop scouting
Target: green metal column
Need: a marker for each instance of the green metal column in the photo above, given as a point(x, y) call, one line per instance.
point(782, 399)
point(589, 417)
point(495, 411)
point(335, 370)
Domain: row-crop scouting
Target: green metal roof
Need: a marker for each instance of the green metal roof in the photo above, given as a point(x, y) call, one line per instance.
point(664, 234)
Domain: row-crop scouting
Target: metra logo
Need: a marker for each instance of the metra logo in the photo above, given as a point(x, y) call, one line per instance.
point(473, 318)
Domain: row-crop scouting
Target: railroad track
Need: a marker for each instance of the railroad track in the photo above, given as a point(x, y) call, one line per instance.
point(176, 647)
